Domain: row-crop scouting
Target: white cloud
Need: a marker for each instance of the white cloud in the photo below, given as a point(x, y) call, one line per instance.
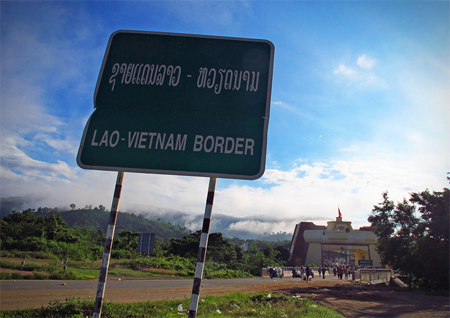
point(416, 137)
point(361, 74)
point(62, 145)
point(260, 227)
point(15, 159)
point(345, 71)
point(37, 135)
point(308, 191)
point(312, 192)
point(365, 62)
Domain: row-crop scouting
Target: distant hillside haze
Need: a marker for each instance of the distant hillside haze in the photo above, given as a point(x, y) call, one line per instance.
point(98, 219)
point(166, 224)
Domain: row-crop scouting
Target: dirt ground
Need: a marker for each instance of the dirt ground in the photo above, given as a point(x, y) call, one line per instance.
point(349, 299)
point(345, 297)
point(355, 300)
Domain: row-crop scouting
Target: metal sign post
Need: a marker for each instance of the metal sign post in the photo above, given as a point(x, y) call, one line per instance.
point(146, 243)
point(179, 104)
point(108, 245)
point(202, 249)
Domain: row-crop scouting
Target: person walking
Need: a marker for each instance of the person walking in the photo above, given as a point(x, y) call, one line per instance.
point(271, 272)
point(307, 272)
point(340, 272)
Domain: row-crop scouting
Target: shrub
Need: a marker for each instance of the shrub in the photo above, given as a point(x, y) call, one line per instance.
point(31, 267)
point(16, 276)
point(9, 264)
point(121, 254)
point(5, 275)
point(39, 275)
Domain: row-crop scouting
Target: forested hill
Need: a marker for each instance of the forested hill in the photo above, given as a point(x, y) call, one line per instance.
point(98, 219)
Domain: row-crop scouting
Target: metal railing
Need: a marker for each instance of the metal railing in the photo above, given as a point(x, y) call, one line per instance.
point(374, 276)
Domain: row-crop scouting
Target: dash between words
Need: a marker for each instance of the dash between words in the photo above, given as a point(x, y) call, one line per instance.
point(146, 74)
point(168, 141)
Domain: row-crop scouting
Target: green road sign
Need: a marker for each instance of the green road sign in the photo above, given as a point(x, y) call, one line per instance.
point(181, 104)
point(365, 262)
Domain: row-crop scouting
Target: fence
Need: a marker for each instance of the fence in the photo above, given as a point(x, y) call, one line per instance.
point(373, 276)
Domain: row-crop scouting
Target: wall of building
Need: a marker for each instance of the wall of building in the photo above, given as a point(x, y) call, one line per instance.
point(308, 239)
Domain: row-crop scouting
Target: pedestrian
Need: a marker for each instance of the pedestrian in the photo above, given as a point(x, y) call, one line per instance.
point(280, 272)
point(320, 270)
point(323, 272)
point(294, 272)
point(307, 271)
point(340, 272)
point(271, 272)
point(334, 270)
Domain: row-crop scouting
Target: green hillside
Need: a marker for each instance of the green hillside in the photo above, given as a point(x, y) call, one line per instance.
point(98, 220)
point(77, 236)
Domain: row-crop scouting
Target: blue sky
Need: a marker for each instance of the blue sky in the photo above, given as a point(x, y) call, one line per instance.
point(360, 105)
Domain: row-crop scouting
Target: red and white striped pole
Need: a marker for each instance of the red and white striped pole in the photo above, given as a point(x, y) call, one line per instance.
point(202, 249)
point(108, 246)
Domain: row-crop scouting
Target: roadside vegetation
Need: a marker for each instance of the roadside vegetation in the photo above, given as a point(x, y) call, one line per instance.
point(232, 305)
point(46, 247)
point(413, 238)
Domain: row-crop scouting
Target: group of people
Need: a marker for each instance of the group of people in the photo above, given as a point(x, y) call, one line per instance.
point(344, 270)
point(275, 272)
point(305, 273)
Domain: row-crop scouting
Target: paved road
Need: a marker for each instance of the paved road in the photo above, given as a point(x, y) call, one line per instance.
point(36, 293)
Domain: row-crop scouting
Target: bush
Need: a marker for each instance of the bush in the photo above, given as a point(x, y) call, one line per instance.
point(226, 274)
point(29, 267)
point(27, 254)
point(121, 254)
point(9, 264)
point(39, 275)
point(67, 275)
point(16, 276)
point(5, 275)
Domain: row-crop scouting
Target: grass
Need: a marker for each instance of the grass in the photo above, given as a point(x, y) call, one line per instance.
point(232, 305)
point(54, 269)
point(226, 274)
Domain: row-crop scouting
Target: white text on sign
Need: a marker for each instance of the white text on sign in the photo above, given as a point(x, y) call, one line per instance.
point(151, 74)
point(167, 141)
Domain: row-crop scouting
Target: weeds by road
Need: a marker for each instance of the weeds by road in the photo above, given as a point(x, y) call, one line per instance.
point(232, 305)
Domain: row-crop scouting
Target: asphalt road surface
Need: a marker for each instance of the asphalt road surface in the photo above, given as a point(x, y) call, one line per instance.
point(22, 294)
point(351, 300)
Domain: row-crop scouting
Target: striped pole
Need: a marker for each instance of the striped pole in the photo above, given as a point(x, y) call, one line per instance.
point(108, 246)
point(202, 249)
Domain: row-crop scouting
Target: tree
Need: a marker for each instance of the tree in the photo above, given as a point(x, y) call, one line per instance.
point(417, 246)
point(434, 241)
point(73, 206)
point(219, 249)
point(129, 240)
